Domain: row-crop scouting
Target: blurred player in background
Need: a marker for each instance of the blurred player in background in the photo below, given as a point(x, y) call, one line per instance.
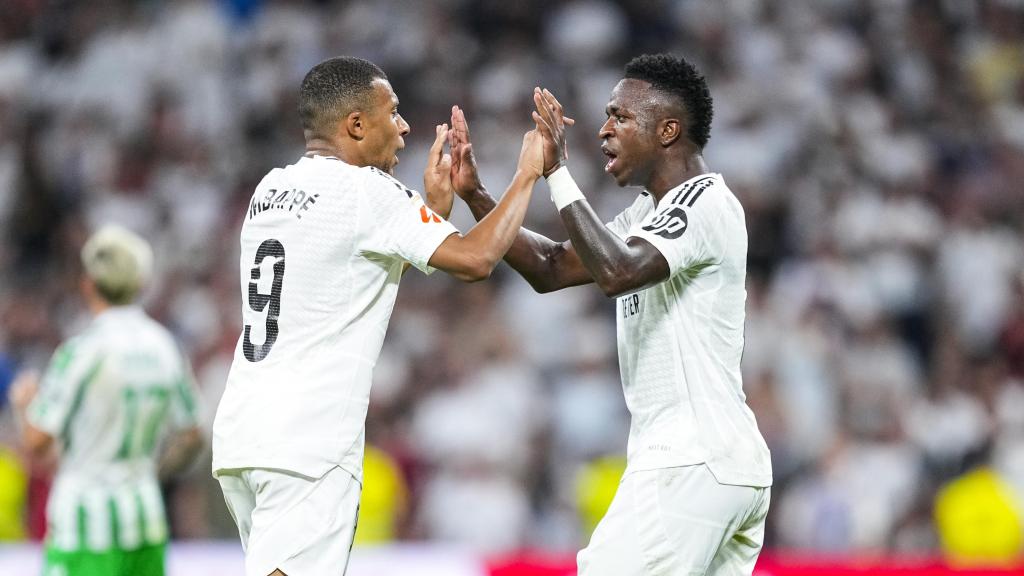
point(106, 401)
point(695, 493)
point(324, 245)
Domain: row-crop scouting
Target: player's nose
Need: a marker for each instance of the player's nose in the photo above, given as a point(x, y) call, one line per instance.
point(403, 126)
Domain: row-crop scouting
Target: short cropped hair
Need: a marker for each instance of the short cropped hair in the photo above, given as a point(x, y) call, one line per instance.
point(333, 89)
point(677, 77)
point(118, 262)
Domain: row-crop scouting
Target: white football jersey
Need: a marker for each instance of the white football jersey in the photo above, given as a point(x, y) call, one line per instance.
point(108, 396)
point(322, 251)
point(680, 341)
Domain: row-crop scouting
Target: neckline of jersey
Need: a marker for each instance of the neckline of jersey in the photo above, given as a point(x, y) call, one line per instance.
point(681, 185)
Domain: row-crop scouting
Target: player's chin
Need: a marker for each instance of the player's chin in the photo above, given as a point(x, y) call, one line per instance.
point(621, 176)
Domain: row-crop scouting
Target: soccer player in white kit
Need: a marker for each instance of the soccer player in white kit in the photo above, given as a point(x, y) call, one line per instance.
point(323, 246)
point(107, 398)
point(695, 493)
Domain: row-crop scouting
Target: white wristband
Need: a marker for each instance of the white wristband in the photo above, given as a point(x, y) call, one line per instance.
point(564, 190)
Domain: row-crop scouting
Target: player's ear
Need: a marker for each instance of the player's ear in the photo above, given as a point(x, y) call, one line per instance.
point(669, 131)
point(355, 125)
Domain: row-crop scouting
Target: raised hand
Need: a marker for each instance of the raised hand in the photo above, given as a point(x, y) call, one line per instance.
point(24, 389)
point(531, 156)
point(465, 177)
point(437, 177)
point(551, 123)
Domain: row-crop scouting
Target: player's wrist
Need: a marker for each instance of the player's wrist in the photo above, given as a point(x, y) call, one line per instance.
point(564, 190)
point(554, 167)
point(473, 192)
point(526, 175)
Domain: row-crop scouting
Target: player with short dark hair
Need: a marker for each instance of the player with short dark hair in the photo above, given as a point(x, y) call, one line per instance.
point(106, 400)
point(334, 88)
point(324, 244)
point(695, 493)
point(675, 77)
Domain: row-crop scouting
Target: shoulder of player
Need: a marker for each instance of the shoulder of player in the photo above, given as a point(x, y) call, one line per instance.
point(375, 178)
point(699, 193)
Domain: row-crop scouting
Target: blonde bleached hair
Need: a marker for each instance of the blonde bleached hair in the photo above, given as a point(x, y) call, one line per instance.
point(118, 262)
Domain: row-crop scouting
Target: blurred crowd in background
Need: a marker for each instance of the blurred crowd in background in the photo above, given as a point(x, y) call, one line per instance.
point(877, 147)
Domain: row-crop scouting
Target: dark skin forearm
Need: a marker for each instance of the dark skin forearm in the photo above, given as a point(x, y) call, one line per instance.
point(547, 265)
point(617, 267)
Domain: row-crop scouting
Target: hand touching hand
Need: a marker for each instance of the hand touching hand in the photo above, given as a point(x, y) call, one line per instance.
point(437, 178)
point(465, 178)
point(531, 157)
point(551, 124)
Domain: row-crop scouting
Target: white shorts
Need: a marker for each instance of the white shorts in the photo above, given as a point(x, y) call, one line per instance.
point(293, 523)
point(677, 521)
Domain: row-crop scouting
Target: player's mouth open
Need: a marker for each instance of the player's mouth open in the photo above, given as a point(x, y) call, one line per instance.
point(612, 157)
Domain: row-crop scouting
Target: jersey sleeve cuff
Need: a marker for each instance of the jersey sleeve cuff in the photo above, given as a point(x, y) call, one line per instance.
point(661, 245)
point(444, 230)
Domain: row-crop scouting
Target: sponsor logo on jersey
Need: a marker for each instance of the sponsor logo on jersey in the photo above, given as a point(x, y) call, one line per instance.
point(427, 215)
point(669, 224)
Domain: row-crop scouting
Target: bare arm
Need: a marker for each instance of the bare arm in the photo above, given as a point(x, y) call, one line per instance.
point(37, 443)
point(545, 264)
point(617, 266)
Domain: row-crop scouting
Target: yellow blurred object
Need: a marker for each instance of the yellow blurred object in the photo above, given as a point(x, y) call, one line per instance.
point(998, 70)
point(979, 519)
point(383, 500)
point(13, 491)
point(596, 485)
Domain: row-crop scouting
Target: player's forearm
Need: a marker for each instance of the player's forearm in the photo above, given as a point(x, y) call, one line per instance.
point(603, 254)
point(495, 232)
point(534, 256)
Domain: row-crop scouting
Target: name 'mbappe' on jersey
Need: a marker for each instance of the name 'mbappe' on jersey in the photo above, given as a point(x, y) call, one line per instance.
point(293, 201)
point(322, 252)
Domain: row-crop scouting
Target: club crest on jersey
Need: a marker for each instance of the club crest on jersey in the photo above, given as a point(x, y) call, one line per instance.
point(669, 224)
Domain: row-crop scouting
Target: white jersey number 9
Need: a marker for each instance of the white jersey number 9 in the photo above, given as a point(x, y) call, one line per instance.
point(265, 297)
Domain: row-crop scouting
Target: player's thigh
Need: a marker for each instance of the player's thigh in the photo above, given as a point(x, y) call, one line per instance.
point(738, 554)
point(699, 516)
point(302, 525)
point(613, 549)
point(666, 522)
point(240, 500)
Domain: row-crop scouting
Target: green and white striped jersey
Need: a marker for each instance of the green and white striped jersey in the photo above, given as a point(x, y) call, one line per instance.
point(108, 397)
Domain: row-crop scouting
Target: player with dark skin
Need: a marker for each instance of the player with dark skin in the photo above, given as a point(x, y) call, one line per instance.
point(645, 139)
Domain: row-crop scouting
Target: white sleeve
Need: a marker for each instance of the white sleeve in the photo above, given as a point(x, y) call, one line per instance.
point(685, 231)
point(73, 367)
point(623, 221)
point(396, 223)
